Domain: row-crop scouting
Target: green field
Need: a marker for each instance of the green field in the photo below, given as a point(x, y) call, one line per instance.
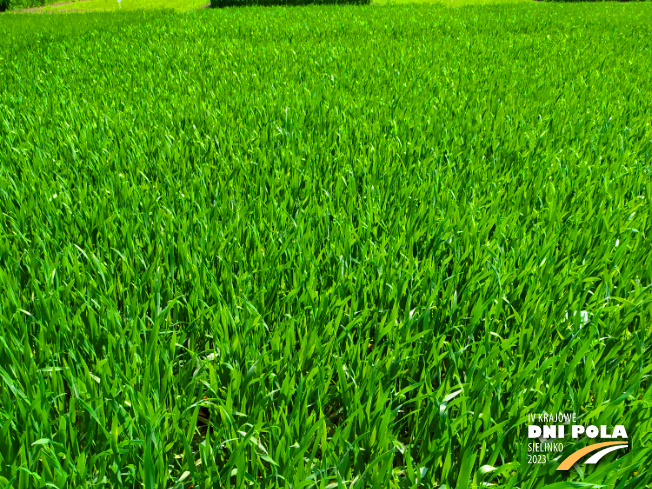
point(77, 6)
point(324, 247)
point(82, 6)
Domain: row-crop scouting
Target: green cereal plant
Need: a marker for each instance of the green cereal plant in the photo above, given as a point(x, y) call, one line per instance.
point(327, 247)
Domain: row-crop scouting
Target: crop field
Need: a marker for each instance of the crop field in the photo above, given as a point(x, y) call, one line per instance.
point(324, 247)
point(78, 6)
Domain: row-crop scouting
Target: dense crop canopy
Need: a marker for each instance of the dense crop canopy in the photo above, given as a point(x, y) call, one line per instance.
point(282, 247)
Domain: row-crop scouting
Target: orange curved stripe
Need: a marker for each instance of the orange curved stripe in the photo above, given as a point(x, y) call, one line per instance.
point(575, 456)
